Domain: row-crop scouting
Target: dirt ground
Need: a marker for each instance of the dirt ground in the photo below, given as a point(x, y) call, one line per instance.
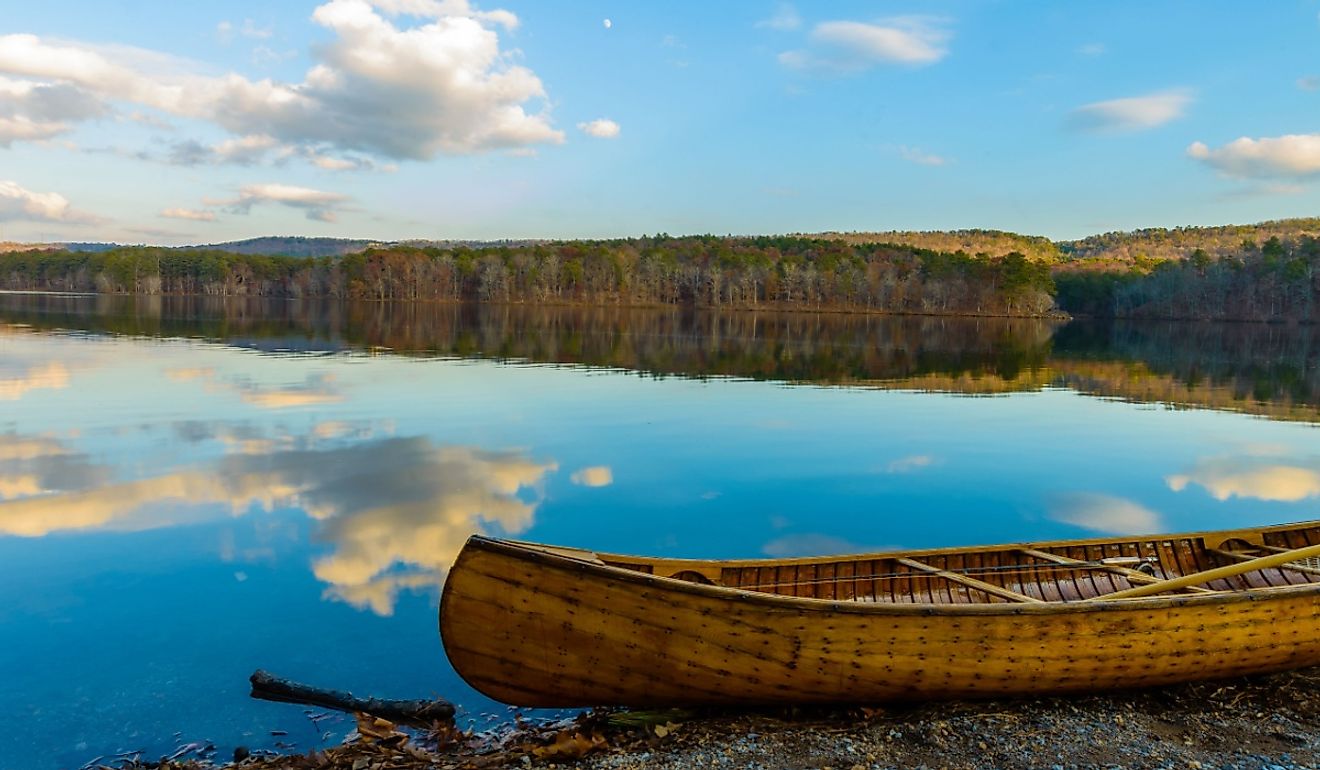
point(1263, 722)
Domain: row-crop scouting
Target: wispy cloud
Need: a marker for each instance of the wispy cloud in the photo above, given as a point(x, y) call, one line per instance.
point(195, 215)
point(1309, 83)
point(225, 31)
point(843, 47)
point(784, 19)
point(242, 151)
point(921, 157)
point(318, 205)
point(1134, 113)
point(1091, 49)
point(1291, 156)
point(601, 128)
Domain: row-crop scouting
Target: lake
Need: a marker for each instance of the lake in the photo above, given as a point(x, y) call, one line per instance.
point(192, 489)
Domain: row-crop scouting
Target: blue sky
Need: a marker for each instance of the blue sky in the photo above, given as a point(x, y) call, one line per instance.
point(185, 123)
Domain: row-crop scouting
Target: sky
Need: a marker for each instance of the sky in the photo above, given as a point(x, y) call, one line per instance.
point(175, 123)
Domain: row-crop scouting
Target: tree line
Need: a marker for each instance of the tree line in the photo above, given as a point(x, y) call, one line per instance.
point(1277, 280)
point(705, 271)
point(1274, 281)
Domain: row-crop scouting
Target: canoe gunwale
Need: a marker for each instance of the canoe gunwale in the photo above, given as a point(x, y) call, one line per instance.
point(559, 560)
point(1213, 537)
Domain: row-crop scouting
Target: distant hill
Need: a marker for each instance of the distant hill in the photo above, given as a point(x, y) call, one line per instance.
point(1160, 243)
point(1115, 249)
point(449, 243)
point(995, 243)
point(293, 246)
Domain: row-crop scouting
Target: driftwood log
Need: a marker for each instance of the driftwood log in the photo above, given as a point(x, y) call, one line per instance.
point(420, 713)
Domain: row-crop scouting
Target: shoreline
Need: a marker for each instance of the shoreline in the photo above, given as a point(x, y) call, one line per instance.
point(1265, 722)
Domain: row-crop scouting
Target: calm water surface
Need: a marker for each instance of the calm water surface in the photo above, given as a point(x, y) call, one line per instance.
point(192, 490)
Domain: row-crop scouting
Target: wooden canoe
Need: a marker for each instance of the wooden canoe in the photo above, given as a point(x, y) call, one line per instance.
point(536, 625)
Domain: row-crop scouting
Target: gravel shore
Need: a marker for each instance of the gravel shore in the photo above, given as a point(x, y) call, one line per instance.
point(1246, 724)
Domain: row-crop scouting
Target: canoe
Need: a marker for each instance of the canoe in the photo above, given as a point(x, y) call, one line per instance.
point(536, 625)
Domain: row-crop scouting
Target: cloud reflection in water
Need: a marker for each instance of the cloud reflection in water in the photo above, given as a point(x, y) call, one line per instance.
point(1256, 477)
point(394, 511)
point(1105, 513)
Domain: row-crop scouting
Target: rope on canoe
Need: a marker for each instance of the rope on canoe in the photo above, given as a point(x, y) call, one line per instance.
point(1080, 566)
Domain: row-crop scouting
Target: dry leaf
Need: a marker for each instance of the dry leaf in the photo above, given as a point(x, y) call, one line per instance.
point(569, 744)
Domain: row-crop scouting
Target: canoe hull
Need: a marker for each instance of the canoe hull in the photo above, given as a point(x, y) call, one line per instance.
point(539, 629)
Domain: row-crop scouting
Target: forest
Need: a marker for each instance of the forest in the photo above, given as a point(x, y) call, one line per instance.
point(1146, 274)
point(1273, 281)
point(706, 271)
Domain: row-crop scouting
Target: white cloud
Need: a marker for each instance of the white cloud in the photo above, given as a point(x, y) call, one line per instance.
point(922, 158)
point(19, 204)
point(1293, 155)
point(1309, 83)
point(224, 31)
point(33, 111)
point(1091, 49)
point(1104, 513)
point(1257, 478)
point(251, 30)
point(595, 476)
point(852, 46)
point(195, 215)
point(784, 19)
point(1134, 113)
point(601, 128)
point(318, 205)
point(442, 85)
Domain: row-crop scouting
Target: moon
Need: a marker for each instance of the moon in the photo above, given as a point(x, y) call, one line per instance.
point(608, 23)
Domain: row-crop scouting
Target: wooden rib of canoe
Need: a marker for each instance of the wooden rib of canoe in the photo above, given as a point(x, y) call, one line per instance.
point(536, 625)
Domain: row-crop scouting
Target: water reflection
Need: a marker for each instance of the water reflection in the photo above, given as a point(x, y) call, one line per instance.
point(1273, 478)
point(1105, 514)
point(52, 375)
point(212, 487)
point(1262, 369)
point(34, 465)
point(394, 512)
point(594, 476)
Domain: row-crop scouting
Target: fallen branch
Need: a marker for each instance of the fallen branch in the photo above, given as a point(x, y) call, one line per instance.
point(420, 713)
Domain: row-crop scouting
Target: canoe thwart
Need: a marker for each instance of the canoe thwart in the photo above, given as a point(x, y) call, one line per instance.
point(1132, 575)
point(1271, 561)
